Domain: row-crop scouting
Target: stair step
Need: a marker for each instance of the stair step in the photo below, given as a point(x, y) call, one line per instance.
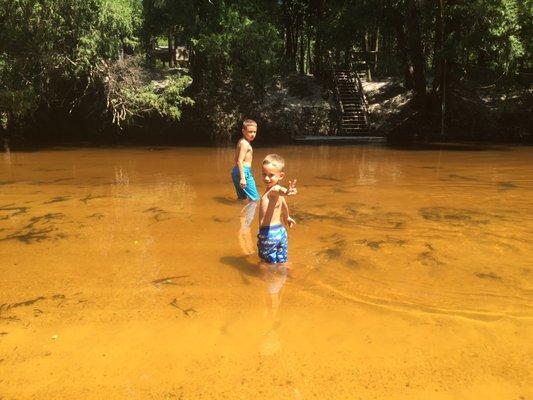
point(353, 118)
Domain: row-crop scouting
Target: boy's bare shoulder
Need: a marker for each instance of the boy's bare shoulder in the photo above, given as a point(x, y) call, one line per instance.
point(242, 144)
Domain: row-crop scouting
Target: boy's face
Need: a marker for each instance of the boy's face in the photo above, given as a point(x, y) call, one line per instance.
point(249, 132)
point(272, 175)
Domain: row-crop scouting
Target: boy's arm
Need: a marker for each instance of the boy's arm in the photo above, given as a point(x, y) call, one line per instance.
point(285, 214)
point(241, 148)
point(279, 190)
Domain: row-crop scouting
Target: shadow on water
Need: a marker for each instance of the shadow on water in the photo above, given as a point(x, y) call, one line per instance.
point(224, 200)
point(57, 199)
point(242, 264)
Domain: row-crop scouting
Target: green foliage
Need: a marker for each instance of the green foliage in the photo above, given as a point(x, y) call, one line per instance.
point(56, 54)
point(487, 33)
point(237, 52)
point(241, 50)
point(163, 97)
point(134, 92)
point(52, 49)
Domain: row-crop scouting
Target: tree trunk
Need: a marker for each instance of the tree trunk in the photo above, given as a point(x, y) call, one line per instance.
point(289, 37)
point(296, 34)
point(171, 51)
point(308, 69)
point(302, 52)
point(438, 58)
point(376, 49)
point(317, 59)
point(416, 52)
point(402, 54)
point(317, 16)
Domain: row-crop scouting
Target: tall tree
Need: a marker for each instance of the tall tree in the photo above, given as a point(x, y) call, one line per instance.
point(416, 51)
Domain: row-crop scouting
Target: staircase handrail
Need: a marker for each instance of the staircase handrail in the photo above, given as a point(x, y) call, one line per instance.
point(362, 92)
point(363, 96)
point(360, 88)
point(353, 67)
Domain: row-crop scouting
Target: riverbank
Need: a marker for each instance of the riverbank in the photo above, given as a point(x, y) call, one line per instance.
point(499, 114)
point(300, 105)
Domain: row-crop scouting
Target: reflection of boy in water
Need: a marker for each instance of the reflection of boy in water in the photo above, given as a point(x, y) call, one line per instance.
point(245, 236)
point(275, 276)
point(272, 240)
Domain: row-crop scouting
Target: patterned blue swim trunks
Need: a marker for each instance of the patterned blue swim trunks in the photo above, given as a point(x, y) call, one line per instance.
point(250, 190)
point(272, 244)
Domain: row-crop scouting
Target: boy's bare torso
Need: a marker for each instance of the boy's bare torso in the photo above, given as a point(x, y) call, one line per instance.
point(244, 146)
point(271, 208)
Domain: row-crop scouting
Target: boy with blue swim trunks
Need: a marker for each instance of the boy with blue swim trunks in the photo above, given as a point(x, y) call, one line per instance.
point(241, 174)
point(272, 243)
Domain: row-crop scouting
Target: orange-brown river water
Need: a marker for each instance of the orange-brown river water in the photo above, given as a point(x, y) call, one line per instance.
point(124, 274)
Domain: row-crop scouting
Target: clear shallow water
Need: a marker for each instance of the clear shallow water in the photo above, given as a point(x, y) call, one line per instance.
point(125, 274)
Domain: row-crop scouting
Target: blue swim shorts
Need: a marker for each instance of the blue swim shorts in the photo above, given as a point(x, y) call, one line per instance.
point(250, 191)
point(272, 244)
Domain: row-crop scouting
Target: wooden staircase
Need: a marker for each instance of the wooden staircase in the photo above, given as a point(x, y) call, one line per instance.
point(352, 104)
point(352, 122)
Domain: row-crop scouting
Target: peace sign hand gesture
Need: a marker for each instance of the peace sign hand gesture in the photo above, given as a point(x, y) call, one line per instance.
point(291, 190)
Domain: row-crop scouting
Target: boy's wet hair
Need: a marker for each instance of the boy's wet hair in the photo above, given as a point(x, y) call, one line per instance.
point(248, 122)
point(276, 160)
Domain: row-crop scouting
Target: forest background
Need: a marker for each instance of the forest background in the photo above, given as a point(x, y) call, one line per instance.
point(78, 70)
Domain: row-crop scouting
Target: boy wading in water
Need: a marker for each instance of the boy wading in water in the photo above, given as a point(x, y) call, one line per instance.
point(244, 183)
point(272, 243)
point(242, 175)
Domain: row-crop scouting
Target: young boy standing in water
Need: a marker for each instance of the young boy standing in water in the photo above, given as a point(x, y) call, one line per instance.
point(272, 243)
point(242, 175)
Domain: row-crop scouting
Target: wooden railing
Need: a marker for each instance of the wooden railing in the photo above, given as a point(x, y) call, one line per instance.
point(337, 94)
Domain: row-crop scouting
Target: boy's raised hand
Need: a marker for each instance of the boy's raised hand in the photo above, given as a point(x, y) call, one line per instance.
point(291, 190)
